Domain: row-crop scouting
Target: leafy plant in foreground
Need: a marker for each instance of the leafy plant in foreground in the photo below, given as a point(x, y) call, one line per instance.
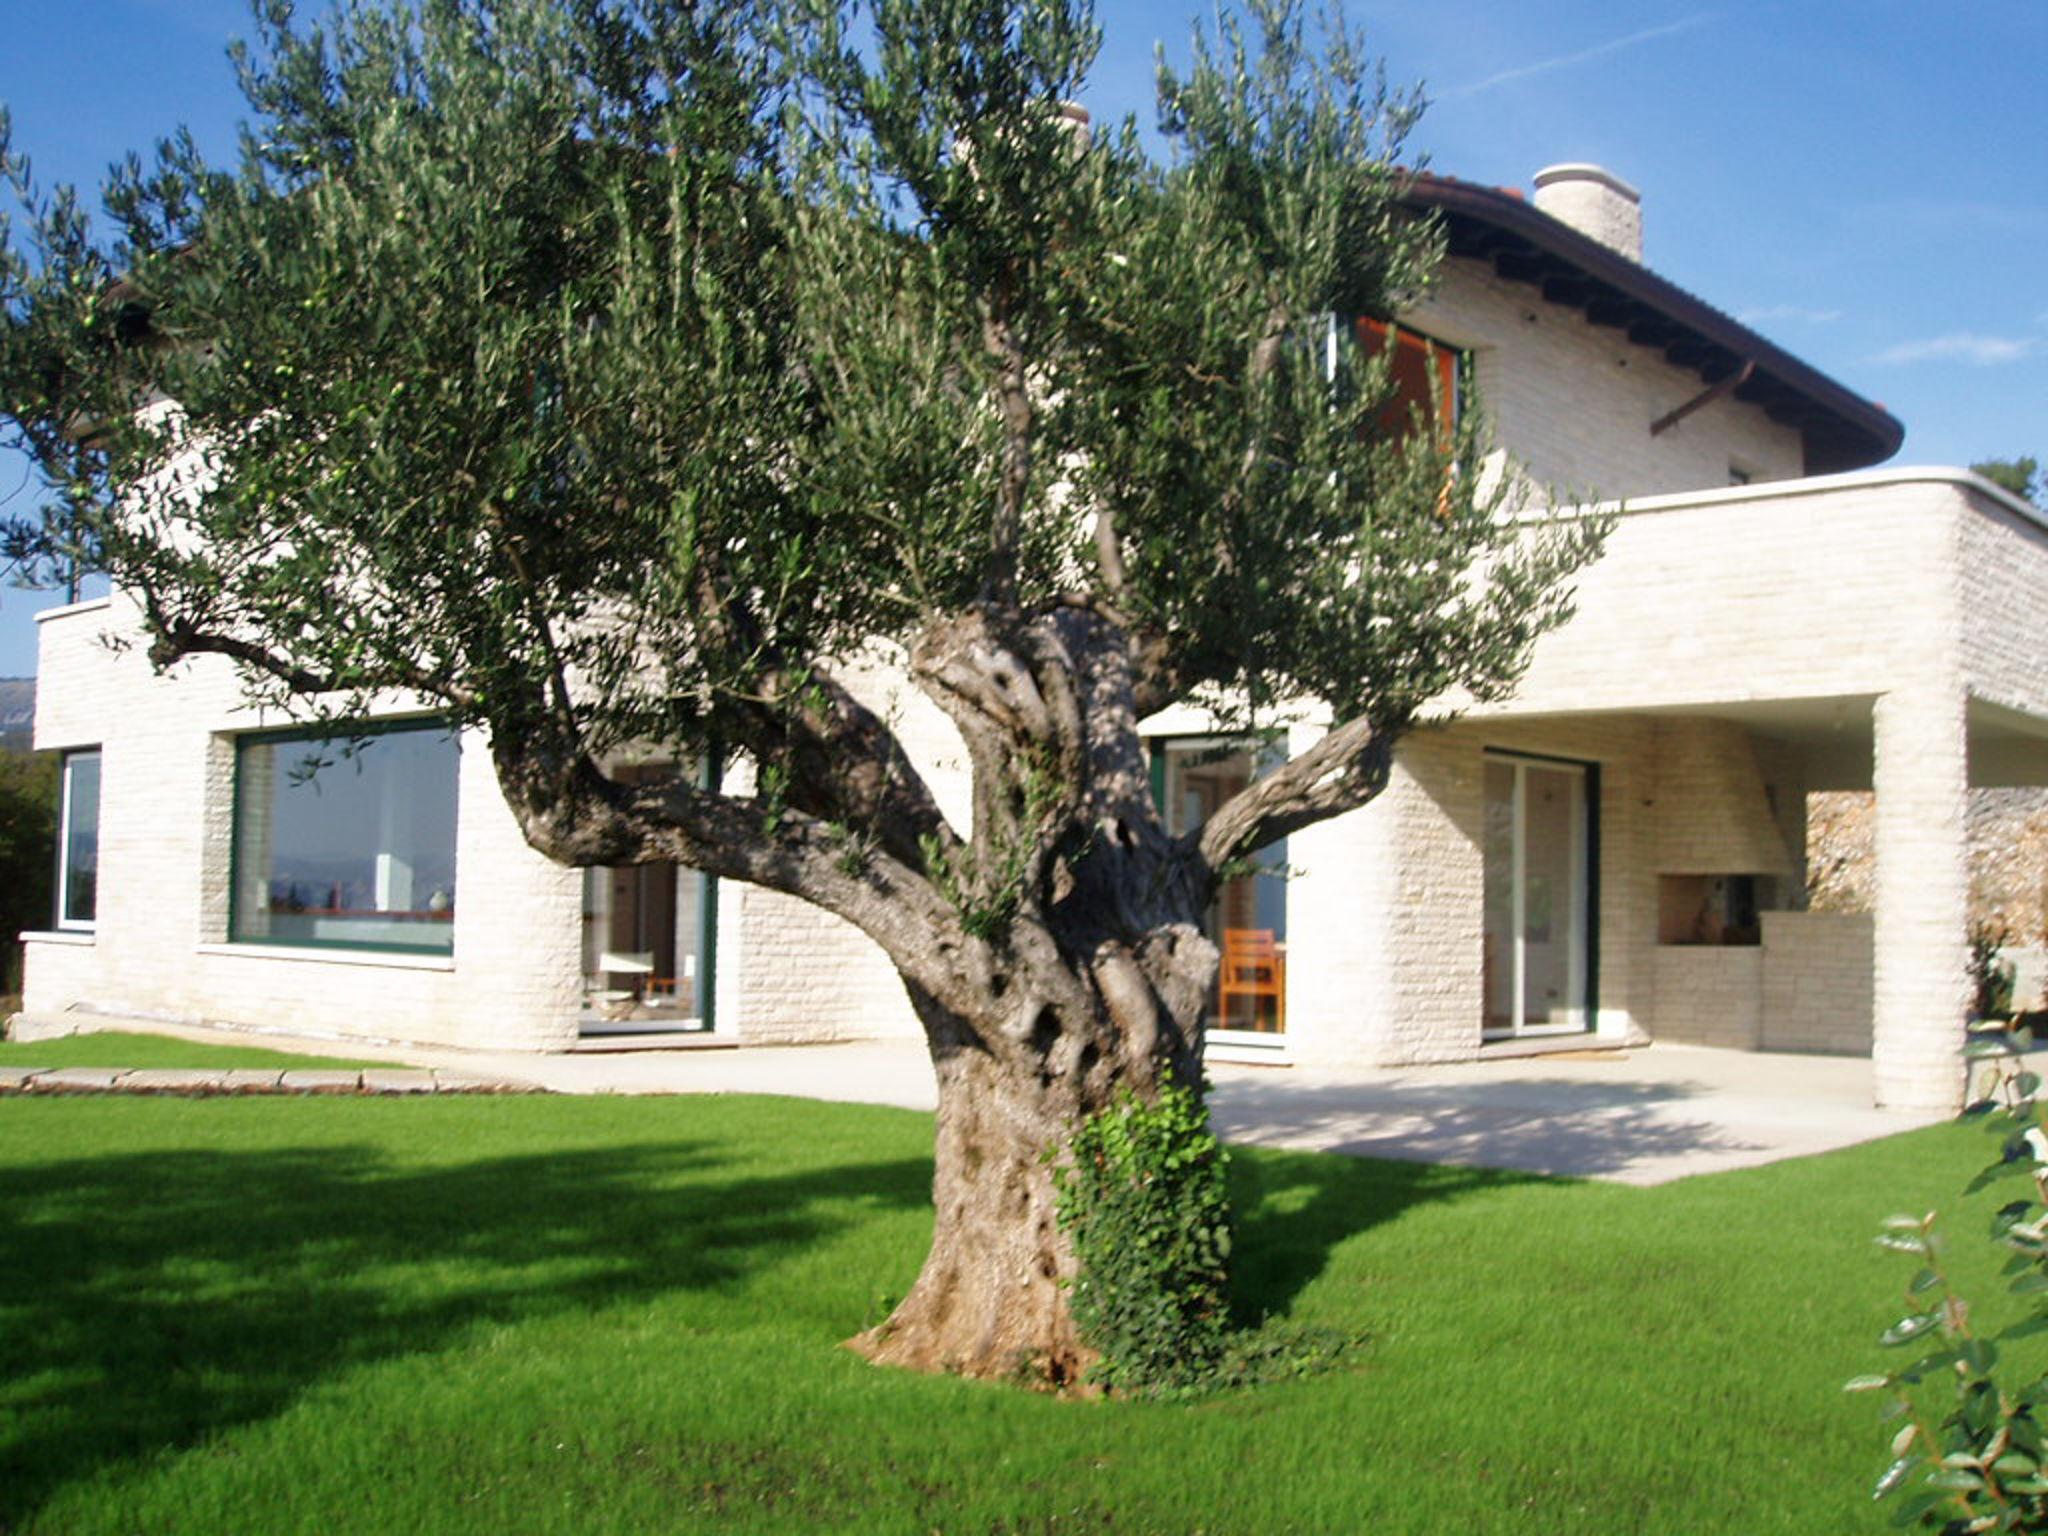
point(1969, 1453)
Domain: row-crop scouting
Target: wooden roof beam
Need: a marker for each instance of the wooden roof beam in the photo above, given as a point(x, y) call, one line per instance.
point(1727, 385)
point(1613, 311)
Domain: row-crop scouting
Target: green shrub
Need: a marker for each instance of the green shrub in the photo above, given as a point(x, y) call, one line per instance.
point(28, 852)
point(1969, 1452)
point(1991, 975)
point(1143, 1198)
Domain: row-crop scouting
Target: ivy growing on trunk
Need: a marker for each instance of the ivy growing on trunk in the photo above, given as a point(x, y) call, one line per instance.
point(623, 378)
point(1142, 1196)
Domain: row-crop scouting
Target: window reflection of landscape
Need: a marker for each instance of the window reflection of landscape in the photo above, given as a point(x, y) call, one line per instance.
point(346, 841)
point(79, 842)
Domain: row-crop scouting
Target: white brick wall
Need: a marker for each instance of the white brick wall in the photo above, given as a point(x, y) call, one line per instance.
point(1386, 952)
point(1834, 588)
point(1807, 987)
point(1817, 987)
point(1345, 874)
point(1572, 402)
point(2004, 604)
point(1922, 986)
point(1714, 813)
point(1710, 995)
point(165, 823)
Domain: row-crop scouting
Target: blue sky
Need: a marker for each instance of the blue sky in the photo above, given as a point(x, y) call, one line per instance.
point(1866, 183)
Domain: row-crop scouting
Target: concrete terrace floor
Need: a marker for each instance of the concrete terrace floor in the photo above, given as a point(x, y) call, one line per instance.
point(1642, 1116)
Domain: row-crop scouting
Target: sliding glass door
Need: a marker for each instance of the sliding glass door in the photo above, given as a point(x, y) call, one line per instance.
point(1538, 878)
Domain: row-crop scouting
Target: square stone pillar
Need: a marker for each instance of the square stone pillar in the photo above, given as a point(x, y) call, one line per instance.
point(1921, 775)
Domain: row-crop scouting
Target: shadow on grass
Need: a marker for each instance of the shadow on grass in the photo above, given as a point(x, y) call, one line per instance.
point(1293, 1210)
point(1406, 1143)
point(147, 1300)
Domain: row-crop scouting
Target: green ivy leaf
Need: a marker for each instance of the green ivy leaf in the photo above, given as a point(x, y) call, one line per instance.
point(1894, 1475)
point(1907, 1329)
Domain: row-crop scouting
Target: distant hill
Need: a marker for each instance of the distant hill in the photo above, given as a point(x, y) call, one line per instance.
point(17, 712)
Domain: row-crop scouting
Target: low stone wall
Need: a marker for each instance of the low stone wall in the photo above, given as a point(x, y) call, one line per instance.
point(200, 1082)
point(1710, 995)
point(1817, 982)
point(1806, 987)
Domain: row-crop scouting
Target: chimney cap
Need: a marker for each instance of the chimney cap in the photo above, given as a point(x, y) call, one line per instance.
point(1581, 170)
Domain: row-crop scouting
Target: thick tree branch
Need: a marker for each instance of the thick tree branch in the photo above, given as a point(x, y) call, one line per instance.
point(1339, 773)
point(1260, 365)
point(845, 764)
point(569, 810)
point(1159, 671)
point(1109, 556)
point(174, 639)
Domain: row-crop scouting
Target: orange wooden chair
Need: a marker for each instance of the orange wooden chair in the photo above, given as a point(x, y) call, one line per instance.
point(1254, 967)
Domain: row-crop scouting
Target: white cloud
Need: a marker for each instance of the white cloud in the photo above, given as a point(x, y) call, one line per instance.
point(1793, 312)
point(1583, 56)
point(1963, 347)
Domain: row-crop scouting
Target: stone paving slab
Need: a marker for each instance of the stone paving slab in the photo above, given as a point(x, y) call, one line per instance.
point(172, 1080)
point(78, 1079)
point(463, 1082)
point(399, 1080)
point(391, 1082)
point(321, 1082)
point(251, 1079)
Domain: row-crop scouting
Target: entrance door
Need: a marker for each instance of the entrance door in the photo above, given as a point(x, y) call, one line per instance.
point(1538, 856)
point(648, 931)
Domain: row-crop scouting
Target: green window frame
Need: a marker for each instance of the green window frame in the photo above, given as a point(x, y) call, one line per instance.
point(78, 842)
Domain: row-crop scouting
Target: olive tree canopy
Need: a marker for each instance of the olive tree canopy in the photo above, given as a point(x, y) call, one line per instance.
point(618, 375)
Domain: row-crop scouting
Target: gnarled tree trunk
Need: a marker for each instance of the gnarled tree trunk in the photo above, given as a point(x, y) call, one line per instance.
point(1055, 954)
point(992, 1298)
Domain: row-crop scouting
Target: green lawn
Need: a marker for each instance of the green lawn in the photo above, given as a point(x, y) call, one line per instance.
point(593, 1315)
point(113, 1049)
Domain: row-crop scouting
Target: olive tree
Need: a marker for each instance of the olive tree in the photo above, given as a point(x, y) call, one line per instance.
point(620, 376)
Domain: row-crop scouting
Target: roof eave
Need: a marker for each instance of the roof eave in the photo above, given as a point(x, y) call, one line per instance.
point(1841, 430)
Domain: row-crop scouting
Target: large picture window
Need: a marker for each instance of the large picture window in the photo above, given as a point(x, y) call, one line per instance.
point(78, 842)
point(346, 841)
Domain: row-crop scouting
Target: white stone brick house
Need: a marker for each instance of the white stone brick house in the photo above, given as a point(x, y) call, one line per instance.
point(1615, 855)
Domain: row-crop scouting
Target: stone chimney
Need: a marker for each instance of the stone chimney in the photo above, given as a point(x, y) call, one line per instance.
point(1070, 115)
point(1595, 202)
point(1075, 119)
